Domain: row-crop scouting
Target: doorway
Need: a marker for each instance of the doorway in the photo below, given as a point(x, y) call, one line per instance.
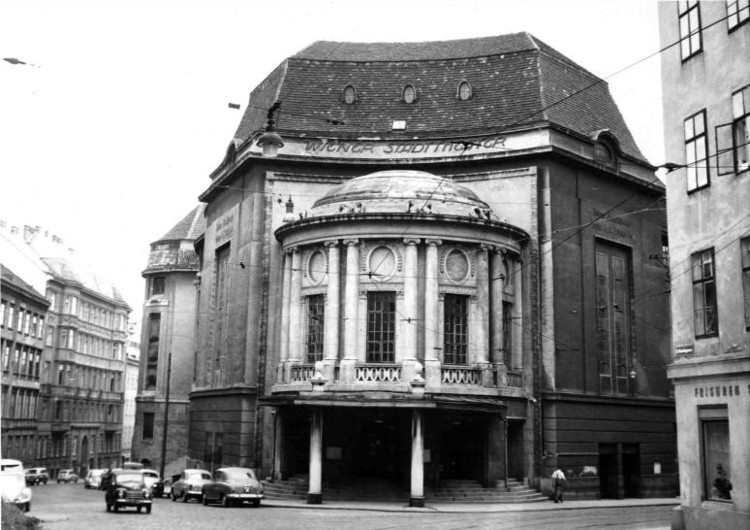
point(608, 475)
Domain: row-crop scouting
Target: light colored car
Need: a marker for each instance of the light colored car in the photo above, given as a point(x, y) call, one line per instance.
point(67, 476)
point(36, 475)
point(13, 486)
point(190, 485)
point(151, 477)
point(93, 479)
point(233, 485)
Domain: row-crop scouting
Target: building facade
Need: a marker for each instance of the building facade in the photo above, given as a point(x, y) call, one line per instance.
point(706, 83)
point(130, 391)
point(439, 271)
point(168, 346)
point(23, 313)
point(79, 407)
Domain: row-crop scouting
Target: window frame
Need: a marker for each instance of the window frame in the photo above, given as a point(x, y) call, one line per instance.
point(413, 95)
point(349, 89)
point(158, 285)
point(148, 426)
point(745, 265)
point(698, 259)
point(380, 341)
point(741, 115)
point(692, 141)
point(710, 417)
point(685, 11)
point(315, 332)
point(455, 329)
point(741, 8)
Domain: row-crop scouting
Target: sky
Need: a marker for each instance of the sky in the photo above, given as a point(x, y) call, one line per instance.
point(109, 133)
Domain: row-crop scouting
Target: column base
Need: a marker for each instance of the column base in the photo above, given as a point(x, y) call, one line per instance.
point(416, 502)
point(314, 498)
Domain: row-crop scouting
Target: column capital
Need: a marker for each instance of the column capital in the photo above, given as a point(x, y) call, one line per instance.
point(292, 250)
point(412, 241)
point(433, 242)
point(350, 242)
point(488, 248)
point(332, 243)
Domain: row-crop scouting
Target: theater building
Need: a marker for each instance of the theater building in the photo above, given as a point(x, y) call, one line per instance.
point(439, 271)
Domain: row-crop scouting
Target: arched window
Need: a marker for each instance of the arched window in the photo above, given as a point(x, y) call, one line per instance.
point(349, 96)
point(464, 91)
point(410, 94)
point(603, 153)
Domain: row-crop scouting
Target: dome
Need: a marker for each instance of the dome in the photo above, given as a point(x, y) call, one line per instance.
point(401, 191)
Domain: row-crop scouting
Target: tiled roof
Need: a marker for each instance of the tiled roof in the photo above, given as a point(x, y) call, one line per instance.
point(516, 80)
point(12, 278)
point(190, 227)
point(67, 270)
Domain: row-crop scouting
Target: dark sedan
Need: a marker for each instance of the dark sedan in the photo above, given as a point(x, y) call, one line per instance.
point(233, 485)
point(126, 487)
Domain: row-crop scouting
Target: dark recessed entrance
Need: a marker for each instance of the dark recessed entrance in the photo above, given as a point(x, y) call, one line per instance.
point(461, 448)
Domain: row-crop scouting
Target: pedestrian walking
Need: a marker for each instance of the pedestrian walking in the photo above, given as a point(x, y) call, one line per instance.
point(560, 483)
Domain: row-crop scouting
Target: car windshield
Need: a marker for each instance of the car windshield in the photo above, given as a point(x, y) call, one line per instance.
point(240, 476)
point(198, 474)
point(129, 479)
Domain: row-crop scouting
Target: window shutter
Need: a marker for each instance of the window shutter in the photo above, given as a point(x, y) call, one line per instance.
point(724, 149)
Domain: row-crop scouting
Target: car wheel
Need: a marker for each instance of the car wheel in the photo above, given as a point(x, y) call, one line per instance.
point(139, 509)
point(185, 497)
point(174, 498)
point(148, 509)
point(226, 502)
point(204, 500)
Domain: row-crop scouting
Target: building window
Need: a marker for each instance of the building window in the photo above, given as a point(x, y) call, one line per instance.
point(381, 327)
point(696, 151)
point(690, 28)
point(704, 294)
point(745, 250)
point(221, 283)
point(315, 327)
point(455, 329)
point(738, 12)
point(349, 96)
point(613, 317)
point(148, 425)
point(715, 457)
point(2, 313)
point(152, 355)
point(741, 128)
point(465, 91)
point(158, 284)
point(410, 94)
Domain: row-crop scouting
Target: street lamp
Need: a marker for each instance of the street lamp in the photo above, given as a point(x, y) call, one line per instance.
point(270, 141)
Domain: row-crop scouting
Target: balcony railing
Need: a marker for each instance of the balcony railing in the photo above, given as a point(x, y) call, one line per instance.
point(302, 372)
point(461, 376)
point(515, 379)
point(378, 373)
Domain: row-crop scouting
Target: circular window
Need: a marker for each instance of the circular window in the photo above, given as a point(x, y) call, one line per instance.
point(382, 263)
point(464, 91)
point(316, 267)
point(350, 95)
point(457, 266)
point(410, 94)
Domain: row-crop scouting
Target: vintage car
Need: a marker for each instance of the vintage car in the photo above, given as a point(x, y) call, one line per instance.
point(67, 476)
point(13, 486)
point(127, 487)
point(163, 488)
point(190, 485)
point(151, 477)
point(233, 485)
point(36, 475)
point(93, 479)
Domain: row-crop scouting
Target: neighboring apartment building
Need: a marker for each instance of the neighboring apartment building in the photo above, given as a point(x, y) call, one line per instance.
point(168, 333)
point(23, 312)
point(132, 369)
point(79, 409)
point(439, 273)
point(706, 83)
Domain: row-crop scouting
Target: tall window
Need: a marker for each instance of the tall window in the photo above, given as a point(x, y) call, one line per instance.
point(2, 313)
point(745, 250)
point(696, 151)
point(152, 359)
point(220, 303)
point(738, 12)
point(148, 425)
point(741, 128)
point(455, 329)
point(690, 28)
point(715, 460)
point(704, 294)
point(158, 285)
point(381, 327)
point(613, 317)
point(315, 327)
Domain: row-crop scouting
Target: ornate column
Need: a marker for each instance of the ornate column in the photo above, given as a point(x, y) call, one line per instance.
point(331, 347)
point(285, 298)
point(315, 494)
point(406, 346)
point(416, 495)
point(295, 313)
point(351, 316)
point(432, 324)
point(482, 313)
point(497, 285)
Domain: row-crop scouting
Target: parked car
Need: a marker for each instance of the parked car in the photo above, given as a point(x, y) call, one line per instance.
point(67, 476)
point(93, 478)
point(13, 486)
point(127, 487)
point(36, 475)
point(233, 485)
point(132, 465)
point(163, 488)
point(190, 485)
point(151, 477)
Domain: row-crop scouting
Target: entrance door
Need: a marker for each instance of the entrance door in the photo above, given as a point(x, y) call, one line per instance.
point(631, 469)
point(461, 449)
point(608, 476)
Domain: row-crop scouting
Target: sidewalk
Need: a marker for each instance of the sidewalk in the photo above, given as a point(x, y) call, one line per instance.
point(455, 507)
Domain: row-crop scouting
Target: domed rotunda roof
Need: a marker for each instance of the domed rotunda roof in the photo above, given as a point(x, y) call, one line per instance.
point(401, 191)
